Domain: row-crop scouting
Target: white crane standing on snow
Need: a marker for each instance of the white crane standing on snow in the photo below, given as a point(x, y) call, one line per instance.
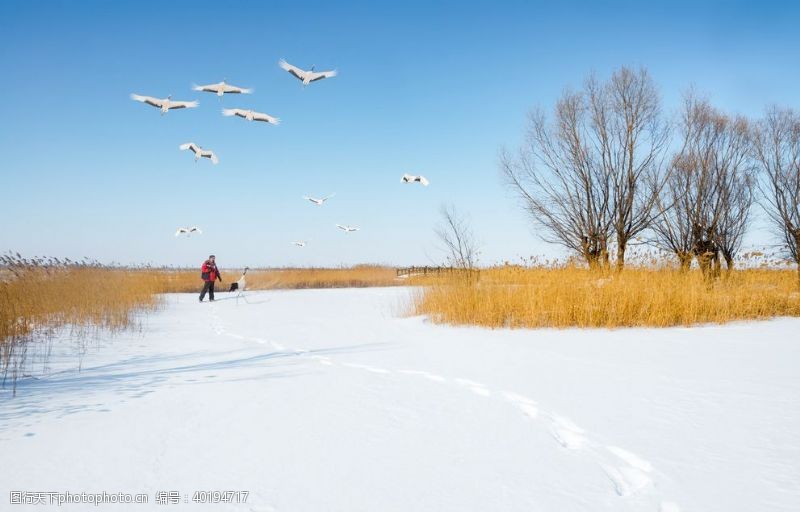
point(200, 152)
point(250, 115)
point(318, 202)
point(306, 76)
point(188, 231)
point(408, 178)
point(165, 104)
point(241, 284)
point(221, 88)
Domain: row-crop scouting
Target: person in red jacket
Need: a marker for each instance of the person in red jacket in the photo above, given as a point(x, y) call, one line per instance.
point(210, 273)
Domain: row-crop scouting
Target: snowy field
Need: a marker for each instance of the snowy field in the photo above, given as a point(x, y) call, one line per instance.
point(333, 400)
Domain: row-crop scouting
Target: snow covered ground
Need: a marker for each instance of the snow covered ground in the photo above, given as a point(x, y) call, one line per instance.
point(333, 400)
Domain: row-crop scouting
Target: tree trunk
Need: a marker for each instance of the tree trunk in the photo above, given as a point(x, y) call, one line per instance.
point(728, 263)
point(621, 246)
point(709, 264)
point(595, 252)
point(797, 252)
point(685, 260)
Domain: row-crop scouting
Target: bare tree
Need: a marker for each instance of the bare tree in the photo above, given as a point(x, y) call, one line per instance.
point(735, 173)
point(777, 150)
point(596, 170)
point(458, 239)
point(674, 228)
point(705, 207)
point(630, 138)
point(561, 183)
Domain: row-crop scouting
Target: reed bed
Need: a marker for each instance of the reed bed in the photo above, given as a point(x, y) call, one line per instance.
point(39, 297)
point(359, 276)
point(42, 297)
point(571, 296)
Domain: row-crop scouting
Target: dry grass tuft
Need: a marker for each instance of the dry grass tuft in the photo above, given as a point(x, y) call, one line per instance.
point(575, 297)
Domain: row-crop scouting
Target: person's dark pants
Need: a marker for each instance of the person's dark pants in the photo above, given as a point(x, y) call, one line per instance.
point(208, 287)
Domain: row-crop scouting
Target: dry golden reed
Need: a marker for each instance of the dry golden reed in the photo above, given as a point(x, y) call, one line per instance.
point(359, 276)
point(576, 297)
point(38, 298)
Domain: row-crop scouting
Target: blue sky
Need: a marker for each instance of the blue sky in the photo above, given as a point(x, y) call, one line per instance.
point(434, 88)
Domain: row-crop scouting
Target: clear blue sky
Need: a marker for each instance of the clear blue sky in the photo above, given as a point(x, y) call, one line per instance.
point(424, 87)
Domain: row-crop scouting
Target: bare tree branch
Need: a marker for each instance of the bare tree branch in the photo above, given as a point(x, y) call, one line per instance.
point(458, 239)
point(777, 151)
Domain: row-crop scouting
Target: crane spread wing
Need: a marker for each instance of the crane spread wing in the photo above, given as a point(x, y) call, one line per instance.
point(322, 74)
point(297, 72)
point(232, 89)
point(260, 116)
point(189, 145)
point(206, 88)
point(195, 229)
point(423, 180)
point(213, 157)
point(233, 112)
point(147, 99)
point(180, 231)
point(182, 104)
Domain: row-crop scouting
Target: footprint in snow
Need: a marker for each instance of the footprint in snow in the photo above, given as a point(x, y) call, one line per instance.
point(367, 368)
point(568, 434)
point(429, 376)
point(633, 476)
point(631, 458)
point(523, 403)
point(627, 480)
point(475, 387)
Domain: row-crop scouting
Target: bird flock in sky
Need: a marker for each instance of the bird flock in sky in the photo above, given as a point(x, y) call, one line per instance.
point(222, 88)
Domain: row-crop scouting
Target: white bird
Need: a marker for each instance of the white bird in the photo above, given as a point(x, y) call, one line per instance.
point(347, 229)
point(188, 231)
point(306, 76)
point(299, 243)
point(165, 104)
point(318, 202)
point(407, 178)
point(240, 285)
point(200, 152)
point(250, 115)
point(221, 88)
